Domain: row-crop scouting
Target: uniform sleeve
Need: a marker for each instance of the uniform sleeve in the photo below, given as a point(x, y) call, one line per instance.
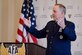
point(36, 33)
point(69, 32)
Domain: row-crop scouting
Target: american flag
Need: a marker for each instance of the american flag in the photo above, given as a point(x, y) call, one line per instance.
point(26, 12)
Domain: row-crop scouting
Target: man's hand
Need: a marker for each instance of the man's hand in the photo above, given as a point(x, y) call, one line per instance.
point(61, 23)
point(27, 22)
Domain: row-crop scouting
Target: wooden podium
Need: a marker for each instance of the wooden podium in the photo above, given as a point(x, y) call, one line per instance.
point(30, 48)
point(34, 49)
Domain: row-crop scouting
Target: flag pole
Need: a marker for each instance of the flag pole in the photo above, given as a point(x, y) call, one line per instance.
point(56, 1)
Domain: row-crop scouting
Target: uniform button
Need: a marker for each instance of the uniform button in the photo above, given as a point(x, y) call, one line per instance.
point(50, 47)
point(61, 37)
point(50, 42)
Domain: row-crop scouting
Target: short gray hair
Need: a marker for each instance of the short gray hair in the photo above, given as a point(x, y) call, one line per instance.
point(62, 8)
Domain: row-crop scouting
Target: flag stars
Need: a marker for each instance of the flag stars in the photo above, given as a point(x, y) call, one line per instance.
point(22, 15)
point(27, 10)
point(32, 3)
point(32, 23)
point(33, 18)
point(30, 12)
point(34, 14)
point(31, 7)
point(28, 6)
point(27, 15)
point(23, 5)
point(24, 9)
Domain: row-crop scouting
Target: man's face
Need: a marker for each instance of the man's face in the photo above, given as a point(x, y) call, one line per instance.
point(56, 13)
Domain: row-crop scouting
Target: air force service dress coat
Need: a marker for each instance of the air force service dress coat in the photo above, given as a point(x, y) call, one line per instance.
point(58, 39)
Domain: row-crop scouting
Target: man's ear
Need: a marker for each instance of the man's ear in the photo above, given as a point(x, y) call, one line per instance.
point(62, 14)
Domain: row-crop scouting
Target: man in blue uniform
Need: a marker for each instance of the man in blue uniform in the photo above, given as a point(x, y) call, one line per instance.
point(59, 32)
